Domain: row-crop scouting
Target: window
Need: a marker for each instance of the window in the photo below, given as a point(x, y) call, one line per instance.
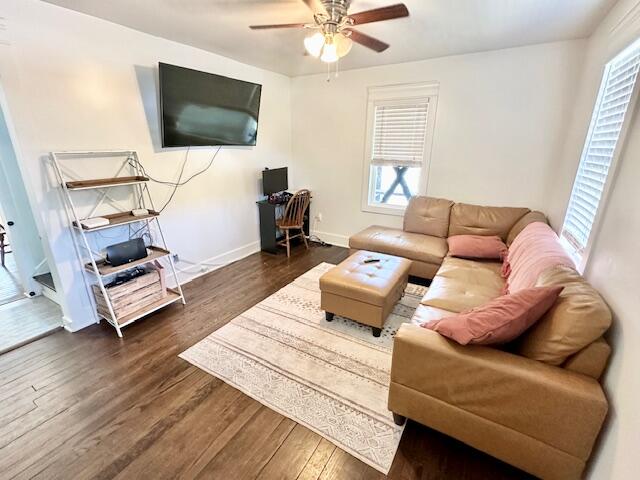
point(400, 121)
point(601, 149)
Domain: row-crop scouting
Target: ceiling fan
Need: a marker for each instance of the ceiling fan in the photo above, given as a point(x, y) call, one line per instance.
point(335, 34)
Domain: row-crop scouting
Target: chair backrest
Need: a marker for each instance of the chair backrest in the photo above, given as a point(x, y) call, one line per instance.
point(297, 205)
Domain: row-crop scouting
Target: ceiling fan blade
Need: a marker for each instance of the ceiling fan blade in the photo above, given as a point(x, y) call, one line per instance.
point(282, 25)
point(398, 10)
point(367, 41)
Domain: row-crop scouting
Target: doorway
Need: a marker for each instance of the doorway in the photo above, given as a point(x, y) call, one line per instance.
point(28, 308)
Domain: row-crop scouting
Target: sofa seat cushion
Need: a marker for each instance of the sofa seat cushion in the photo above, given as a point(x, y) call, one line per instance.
point(393, 241)
point(469, 219)
point(579, 317)
point(461, 284)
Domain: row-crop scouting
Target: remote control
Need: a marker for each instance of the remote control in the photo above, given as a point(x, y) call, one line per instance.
point(372, 260)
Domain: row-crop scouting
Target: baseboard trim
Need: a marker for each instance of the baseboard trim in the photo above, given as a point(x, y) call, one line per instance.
point(332, 238)
point(196, 270)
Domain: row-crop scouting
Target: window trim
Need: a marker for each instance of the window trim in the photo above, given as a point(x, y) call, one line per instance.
point(581, 260)
point(390, 94)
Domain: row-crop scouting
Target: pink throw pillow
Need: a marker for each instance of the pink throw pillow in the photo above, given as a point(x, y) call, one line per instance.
point(501, 320)
point(533, 251)
point(477, 246)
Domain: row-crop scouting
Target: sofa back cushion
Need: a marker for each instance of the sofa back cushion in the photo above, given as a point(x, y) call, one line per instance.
point(578, 318)
point(533, 216)
point(534, 250)
point(428, 215)
point(469, 219)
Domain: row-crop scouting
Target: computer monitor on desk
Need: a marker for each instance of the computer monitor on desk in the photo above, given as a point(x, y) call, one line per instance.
point(274, 180)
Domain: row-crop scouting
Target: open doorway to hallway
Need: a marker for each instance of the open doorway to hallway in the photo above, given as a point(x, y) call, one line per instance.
point(28, 306)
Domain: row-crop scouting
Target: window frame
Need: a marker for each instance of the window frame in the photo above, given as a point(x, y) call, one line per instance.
point(393, 95)
point(581, 259)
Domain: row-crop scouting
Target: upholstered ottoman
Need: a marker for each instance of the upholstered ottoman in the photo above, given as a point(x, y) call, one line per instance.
point(364, 292)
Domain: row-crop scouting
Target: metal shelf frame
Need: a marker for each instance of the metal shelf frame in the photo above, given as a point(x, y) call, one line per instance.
point(141, 199)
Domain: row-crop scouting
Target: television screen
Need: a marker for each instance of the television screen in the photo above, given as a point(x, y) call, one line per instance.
point(274, 180)
point(204, 109)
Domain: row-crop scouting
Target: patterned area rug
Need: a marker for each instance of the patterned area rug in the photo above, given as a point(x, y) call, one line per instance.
point(330, 377)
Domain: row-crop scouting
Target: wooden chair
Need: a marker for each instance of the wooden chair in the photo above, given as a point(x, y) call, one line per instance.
point(293, 218)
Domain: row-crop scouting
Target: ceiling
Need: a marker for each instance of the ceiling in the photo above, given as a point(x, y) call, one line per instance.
point(435, 28)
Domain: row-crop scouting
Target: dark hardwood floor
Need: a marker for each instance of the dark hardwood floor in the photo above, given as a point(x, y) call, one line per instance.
point(87, 405)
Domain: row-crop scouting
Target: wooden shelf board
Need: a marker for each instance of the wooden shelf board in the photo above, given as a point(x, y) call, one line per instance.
point(105, 182)
point(154, 253)
point(172, 296)
point(117, 219)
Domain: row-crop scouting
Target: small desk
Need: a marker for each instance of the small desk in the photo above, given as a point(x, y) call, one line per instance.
point(270, 234)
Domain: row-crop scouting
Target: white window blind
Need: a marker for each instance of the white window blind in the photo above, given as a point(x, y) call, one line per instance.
point(399, 133)
point(606, 125)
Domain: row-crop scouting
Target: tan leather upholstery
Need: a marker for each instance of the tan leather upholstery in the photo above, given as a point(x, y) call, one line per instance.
point(425, 313)
point(502, 442)
point(579, 317)
point(414, 246)
point(530, 217)
point(540, 418)
point(591, 360)
point(427, 215)
point(479, 220)
point(365, 292)
point(464, 284)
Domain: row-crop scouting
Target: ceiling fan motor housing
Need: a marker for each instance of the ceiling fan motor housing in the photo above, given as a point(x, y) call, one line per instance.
point(336, 16)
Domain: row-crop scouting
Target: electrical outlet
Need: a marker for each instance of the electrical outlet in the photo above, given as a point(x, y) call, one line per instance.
point(176, 258)
point(319, 216)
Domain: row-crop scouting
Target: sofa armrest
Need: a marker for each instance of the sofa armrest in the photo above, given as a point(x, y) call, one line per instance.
point(555, 406)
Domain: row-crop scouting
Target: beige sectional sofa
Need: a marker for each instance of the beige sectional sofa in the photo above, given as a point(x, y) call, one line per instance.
point(537, 403)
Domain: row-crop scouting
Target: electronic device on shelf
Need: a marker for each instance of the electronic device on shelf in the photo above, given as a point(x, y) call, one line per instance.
point(279, 198)
point(126, 252)
point(94, 222)
point(126, 276)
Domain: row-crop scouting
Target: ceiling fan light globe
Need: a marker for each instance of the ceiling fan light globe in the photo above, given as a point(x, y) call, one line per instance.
point(329, 53)
point(343, 44)
point(313, 44)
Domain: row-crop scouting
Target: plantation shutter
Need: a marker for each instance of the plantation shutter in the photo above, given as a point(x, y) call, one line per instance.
point(399, 133)
point(604, 131)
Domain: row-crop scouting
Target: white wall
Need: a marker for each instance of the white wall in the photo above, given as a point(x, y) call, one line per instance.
point(498, 134)
point(74, 82)
point(614, 264)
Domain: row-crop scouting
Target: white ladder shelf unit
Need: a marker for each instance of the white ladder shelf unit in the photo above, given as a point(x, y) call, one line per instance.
point(99, 270)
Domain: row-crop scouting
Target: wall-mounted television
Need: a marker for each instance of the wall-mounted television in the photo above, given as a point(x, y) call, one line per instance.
point(203, 109)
